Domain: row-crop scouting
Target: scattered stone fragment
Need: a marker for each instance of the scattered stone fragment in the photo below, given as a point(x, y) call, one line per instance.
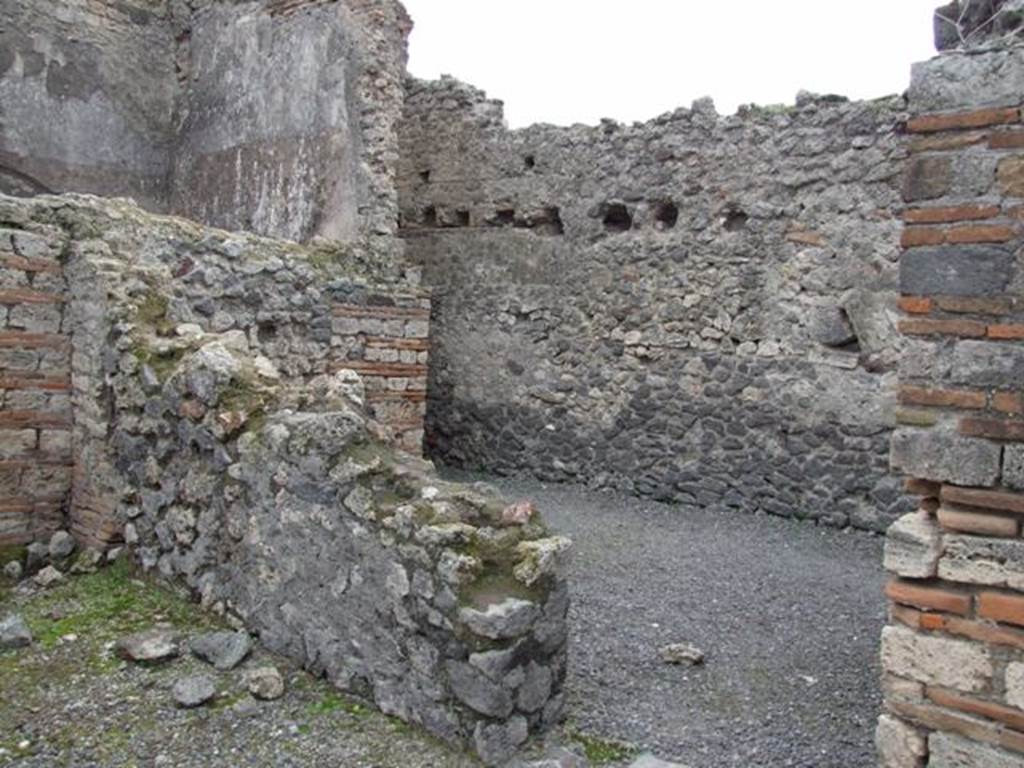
point(150, 646)
point(541, 558)
point(191, 692)
point(682, 654)
point(61, 546)
point(517, 514)
point(496, 743)
point(510, 618)
point(48, 577)
point(113, 555)
point(265, 683)
point(13, 570)
point(225, 650)
point(14, 633)
point(88, 561)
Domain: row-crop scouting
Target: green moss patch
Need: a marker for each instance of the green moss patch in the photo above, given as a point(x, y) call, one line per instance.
point(601, 751)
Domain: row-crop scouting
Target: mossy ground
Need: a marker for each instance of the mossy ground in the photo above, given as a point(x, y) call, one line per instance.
point(69, 701)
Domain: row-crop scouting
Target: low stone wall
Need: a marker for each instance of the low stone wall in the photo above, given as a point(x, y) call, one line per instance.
point(698, 308)
point(953, 655)
point(35, 383)
point(218, 418)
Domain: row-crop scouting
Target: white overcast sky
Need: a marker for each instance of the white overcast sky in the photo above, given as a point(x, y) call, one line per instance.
point(567, 61)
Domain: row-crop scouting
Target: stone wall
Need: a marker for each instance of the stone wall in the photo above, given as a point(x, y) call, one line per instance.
point(278, 117)
point(87, 97)
point(953, 654)
point(35, 381)
point(698, 308)
point(218, 418)
point(284, 309)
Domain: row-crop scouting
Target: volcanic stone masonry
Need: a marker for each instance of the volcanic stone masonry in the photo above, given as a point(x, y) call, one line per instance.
point(953, 653)
point(698, 308)
point(220, 424)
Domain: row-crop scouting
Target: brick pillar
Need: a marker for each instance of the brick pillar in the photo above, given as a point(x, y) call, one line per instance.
point(953, 652)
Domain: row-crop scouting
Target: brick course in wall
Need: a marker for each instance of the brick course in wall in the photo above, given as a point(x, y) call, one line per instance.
point(35, 381)
point(953, 653)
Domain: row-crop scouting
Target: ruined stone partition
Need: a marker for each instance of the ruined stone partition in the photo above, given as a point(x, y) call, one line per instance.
point(698, 308)
point(219, 423)
point(953, 653)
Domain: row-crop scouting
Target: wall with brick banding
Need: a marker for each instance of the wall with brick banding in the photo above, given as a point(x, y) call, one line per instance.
point(953, 653)
point(35, 384)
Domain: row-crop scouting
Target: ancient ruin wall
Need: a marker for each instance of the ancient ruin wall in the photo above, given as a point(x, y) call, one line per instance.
point(281, 309)
point(698, 308)
point(218, 419)
point(35, 381)
point(953, 654)
point(277, 116)
point(87, 97)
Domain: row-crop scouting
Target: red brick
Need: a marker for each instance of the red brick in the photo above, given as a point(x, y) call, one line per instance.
point(1002, 606)
point(911, 617)
point(1013, 139)
point(983, 632)
point(972, 706)
point(978, 523)
point(418, 345)
point(1008, 402)
point(805, 237)
point(979, 306)
point(382, 313)
point(979, 118)
point(57, 384)
point(913, 237)
point(942, 398)
point(33, 420)
point(1006, 332)
point(947, 142)
point(25, 340)
point(949, 214)
point(30, 265)
point(22, 296)
point(927, 327)
point(915, 305)
point(927, 488)
point(412, 395)
point(389, 370)
point(993, 429)
point(981, 233)
point(938, 719)
point(978, 497)
point(929, 597)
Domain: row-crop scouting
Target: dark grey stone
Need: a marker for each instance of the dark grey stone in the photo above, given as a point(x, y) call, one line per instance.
point(224, 650)
point(956, 270)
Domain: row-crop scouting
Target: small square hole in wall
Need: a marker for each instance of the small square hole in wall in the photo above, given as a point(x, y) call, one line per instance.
point(429, 218)
point(506, 217)
point(530, 162)
point(616, 217)
point(462, 218)
point(425, 176)
point(666, 214)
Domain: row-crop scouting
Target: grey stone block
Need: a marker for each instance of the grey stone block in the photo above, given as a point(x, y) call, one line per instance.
point(944, 456)
point(956, 270)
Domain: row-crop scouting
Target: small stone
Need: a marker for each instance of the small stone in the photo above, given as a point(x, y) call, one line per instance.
point(496, 743)
point(517, 514)
point(87, 561)
point(13, 570)
point(510, 618)
point(113, 555)
point(150, 646)
point(682, 654)
point(913, 547)
point(194, 691)
point(14, 633)
point(225, 650)
point(48, 577)
point(542, 558)
point(37, 555)
point(265, 683)
point(61, 545)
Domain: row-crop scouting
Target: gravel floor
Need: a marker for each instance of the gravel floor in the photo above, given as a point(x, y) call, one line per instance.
point(788, 613)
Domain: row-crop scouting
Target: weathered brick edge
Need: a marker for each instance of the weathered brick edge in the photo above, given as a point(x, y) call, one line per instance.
point(389, 347)
point(35, 384)
point(953, 653)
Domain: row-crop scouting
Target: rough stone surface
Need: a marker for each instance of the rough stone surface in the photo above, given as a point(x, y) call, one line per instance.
point(650, 761)
point(975, 270)
point(958, 82)
point(191, 692)
point(944, 456)
point(899, 745)
point(1015, 685)
point(639, 307)
point(14, 570)
point(62, 545)
point(14, 633)
point(48, 577)
point(681, 654)
point(224, 650)
point(932, 660)
point(947, 750)
point(265, 683)
point(979, 560)
point(154, 645)
point(913, 547)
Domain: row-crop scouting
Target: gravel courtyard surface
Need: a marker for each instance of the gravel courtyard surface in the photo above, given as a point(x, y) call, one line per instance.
point(788, 613)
